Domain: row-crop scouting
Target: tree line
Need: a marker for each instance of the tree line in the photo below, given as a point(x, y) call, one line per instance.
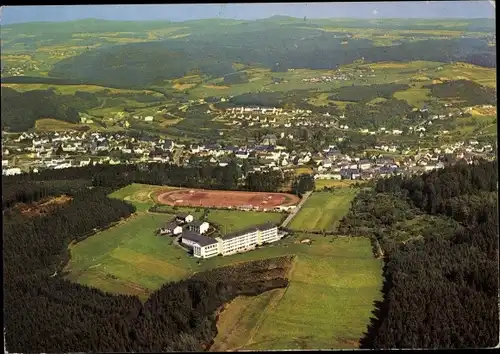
point(205, 176)
point(439, 238)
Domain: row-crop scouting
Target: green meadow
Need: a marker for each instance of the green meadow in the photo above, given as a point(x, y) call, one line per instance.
point(322, 210)
point(327, 304)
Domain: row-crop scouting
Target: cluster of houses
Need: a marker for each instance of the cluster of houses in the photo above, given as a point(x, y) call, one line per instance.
point(184, 222)
point(329, 78)
point(74, 149)
point(193, 235)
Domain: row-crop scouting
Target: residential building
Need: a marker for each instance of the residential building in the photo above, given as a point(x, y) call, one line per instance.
point(172, 228)
point(184, 218)
point(198, 226)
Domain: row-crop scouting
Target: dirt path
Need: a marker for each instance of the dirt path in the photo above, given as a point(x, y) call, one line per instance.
point(296, 210)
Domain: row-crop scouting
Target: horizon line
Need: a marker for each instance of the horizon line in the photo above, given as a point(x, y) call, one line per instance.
point(253, 20)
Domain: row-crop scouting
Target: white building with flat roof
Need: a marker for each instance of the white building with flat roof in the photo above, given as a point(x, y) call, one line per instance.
point(236, 242)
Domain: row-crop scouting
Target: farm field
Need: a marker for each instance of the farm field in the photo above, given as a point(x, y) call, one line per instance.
point(49, 124)
point(327, 304)
point(323, 210)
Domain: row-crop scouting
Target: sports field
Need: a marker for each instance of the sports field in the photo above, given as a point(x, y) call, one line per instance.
point(328, 303)
point(234, 199)
point(322, 210)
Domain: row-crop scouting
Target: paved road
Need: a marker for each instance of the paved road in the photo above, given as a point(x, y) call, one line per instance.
point(296, 210)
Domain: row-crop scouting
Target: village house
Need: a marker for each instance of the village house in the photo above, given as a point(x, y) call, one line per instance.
point(198, 226)
point(184, 218)
point(172, 228)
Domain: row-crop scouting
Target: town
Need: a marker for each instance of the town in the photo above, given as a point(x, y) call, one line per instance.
point(33, 152)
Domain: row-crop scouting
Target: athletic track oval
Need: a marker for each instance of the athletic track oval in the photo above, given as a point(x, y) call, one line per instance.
point(225, 199)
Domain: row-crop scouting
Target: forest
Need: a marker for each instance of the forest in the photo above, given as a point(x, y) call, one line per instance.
point(360, 93)
point(387, 114)
point(285, 48)
point(20, 110)
point(438, 234)
point(206, 176)
point(468, 92)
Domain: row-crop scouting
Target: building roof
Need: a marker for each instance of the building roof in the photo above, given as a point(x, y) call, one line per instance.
point(171, 225)
point(197, 222)
point(199, 239)
point(262, 227)
point(182, 215)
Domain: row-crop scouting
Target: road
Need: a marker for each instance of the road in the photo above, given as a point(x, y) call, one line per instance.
point(296, 210)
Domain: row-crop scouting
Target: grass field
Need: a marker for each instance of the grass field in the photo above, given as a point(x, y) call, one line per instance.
point(327, 304)
point(415, 96)
point(303, 169)
point(141, 195)
point(49, 124)
point(130, 258)
point(323, 210)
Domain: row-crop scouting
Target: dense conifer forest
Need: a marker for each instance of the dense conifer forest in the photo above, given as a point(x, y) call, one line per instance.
point(441, 281)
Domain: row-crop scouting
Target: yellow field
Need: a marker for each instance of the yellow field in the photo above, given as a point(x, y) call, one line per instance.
point(302, 170)
point(417, 64)
point(238, 66)
point(170, 122)
point(16, 57)
point(216, 87)
point(49, 124)
point(479, 74)
point(480, 111)
point(179, 35)
point(181, 87)
point(420, 78)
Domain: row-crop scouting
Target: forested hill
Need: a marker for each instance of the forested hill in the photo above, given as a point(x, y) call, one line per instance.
point(142, 53)
point(125, 65)
point(439, 235)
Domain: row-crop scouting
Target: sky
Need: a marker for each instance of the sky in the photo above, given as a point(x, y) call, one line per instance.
point(183, 12)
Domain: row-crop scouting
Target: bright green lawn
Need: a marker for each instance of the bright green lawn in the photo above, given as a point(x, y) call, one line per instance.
point(323, 210)
point(130, 258)
point(240, 220)
point(328, 303)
